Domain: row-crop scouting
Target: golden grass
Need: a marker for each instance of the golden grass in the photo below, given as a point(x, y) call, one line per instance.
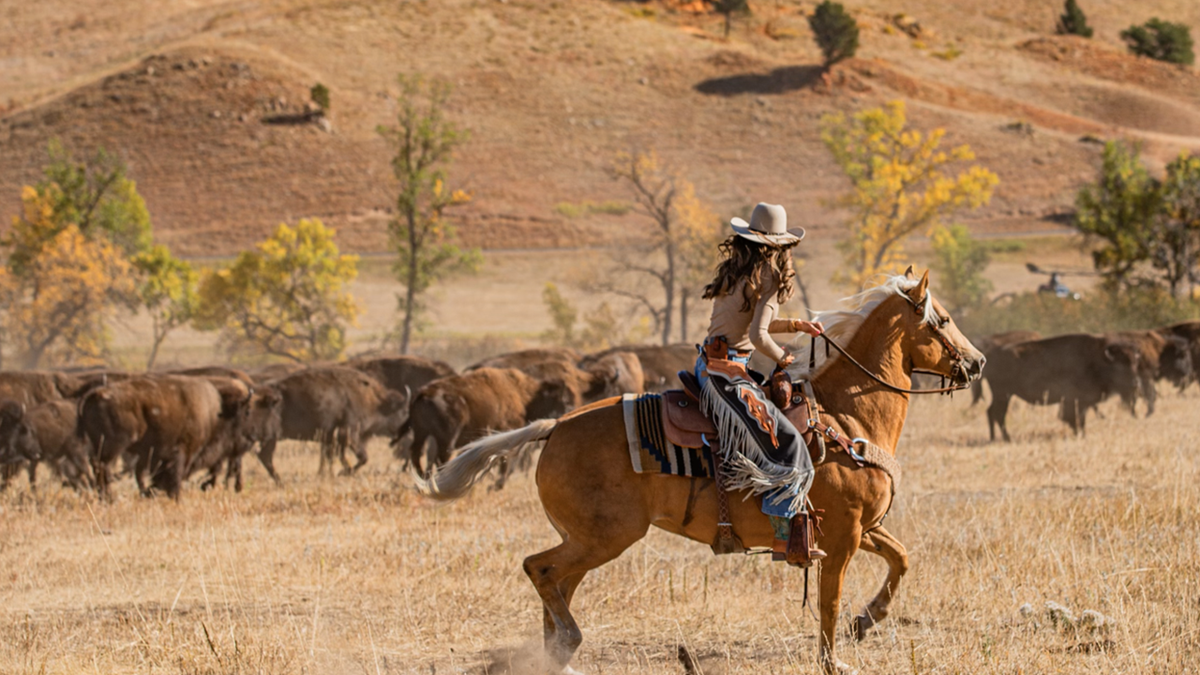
point(360, 576)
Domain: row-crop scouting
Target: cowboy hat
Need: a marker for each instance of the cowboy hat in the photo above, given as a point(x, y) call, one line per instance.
point(768, 225)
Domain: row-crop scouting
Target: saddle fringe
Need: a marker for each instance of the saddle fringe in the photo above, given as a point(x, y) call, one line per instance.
point(744, 465)
point(456, 478)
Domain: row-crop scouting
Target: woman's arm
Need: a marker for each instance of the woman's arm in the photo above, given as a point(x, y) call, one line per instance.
point(812, 328)
point(761, 324)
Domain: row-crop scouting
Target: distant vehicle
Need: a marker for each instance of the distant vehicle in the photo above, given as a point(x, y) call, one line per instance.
point(1054, 284)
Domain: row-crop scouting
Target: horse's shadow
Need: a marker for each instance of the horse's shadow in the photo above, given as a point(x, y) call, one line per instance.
point(778, 81)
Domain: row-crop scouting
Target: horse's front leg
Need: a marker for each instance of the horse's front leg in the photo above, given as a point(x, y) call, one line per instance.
point(833, 574)
point(881, 542)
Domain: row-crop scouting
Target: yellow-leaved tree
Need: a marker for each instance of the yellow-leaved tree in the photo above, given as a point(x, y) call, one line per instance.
point(678, 251)
point(899, 186)
point(167, 291)
point(286, 298)
point(58, 299)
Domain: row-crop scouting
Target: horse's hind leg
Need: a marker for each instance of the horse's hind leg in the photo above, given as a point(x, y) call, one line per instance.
point(881, 542)
point(556, 574)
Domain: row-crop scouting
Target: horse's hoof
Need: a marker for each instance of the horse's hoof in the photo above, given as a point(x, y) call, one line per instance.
point(839, 667)
point(860, 625)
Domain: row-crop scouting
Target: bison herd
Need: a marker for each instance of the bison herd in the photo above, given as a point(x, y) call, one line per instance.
point(1078, 371)
point(163, 428)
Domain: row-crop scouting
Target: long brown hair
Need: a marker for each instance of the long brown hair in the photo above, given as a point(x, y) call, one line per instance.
point(752, 261)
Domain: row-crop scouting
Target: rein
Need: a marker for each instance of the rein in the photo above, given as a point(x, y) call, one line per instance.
point(880, 380)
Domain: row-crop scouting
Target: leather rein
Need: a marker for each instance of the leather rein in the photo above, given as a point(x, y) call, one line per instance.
point(955, 355)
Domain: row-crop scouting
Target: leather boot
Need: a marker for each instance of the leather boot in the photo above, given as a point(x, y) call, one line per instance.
point(801, 546)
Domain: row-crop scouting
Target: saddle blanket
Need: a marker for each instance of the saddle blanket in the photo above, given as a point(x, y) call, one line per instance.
point(649, 449)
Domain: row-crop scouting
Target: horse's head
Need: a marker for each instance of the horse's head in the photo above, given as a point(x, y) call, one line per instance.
point(935, 344)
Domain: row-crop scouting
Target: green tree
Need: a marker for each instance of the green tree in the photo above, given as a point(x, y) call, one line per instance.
point(959, 263)
point(899, 186)
point(1176, 253)
point(1161, 40)
point(562, 314)
point(168, 292)
point(286, 298)
point(1119, 211)
point(835, 31)
point(1073, 21)
point(320, 96)
point(729, 8)
point(425, 243)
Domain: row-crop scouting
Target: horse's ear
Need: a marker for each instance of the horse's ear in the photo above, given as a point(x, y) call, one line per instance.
point(910, 273)
point(922, 287)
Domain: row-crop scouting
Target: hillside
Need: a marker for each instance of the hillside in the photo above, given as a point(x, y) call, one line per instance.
point(551, 91)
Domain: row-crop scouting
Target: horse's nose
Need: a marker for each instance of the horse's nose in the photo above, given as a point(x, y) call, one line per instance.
point(975, 367)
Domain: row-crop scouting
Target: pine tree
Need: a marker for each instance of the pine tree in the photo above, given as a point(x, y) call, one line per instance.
point(1161, 40)
point(1073, 21)
point(835, 31)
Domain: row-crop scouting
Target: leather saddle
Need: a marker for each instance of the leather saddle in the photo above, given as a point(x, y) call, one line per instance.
point(685, 425)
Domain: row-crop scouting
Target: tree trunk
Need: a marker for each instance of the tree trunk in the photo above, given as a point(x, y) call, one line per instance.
point(683, 315)
point(728, 17)
point(411, 290)
point(669, 287)
point(158, 340)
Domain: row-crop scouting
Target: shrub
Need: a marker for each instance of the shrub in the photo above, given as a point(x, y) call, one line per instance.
point(1073, 22)
point(320, 96)
point(835, 31)
point(1099, 311)
point(1161, 40)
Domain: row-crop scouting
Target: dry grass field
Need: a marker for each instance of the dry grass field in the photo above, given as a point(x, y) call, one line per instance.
point(361, 576)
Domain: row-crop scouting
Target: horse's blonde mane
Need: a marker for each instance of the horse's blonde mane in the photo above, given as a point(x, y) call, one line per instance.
point(843, 324)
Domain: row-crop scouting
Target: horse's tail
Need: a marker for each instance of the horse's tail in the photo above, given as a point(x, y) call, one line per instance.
point(456, 478)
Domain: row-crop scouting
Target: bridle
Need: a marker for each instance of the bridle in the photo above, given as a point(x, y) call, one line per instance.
point(956, 356)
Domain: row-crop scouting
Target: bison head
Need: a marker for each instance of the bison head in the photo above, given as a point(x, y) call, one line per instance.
point(17, 441)
point(552, 399)
point(1121, 377)
point(1175, 364)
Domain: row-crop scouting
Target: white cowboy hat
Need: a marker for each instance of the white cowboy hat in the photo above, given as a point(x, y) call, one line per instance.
point(768, 225)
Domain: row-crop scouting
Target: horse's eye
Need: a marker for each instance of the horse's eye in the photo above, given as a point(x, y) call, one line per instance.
point(943, 321)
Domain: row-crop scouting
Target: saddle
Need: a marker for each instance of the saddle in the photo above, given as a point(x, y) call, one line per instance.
point(685, 425)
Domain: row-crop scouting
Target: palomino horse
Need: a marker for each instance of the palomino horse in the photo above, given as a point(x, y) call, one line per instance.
point(600, 506)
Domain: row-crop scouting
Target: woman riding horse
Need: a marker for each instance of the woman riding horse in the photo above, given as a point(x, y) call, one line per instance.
point(601, 506)
point(753, 279)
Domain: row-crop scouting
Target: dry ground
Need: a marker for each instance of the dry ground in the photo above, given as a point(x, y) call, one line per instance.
point(360, 576)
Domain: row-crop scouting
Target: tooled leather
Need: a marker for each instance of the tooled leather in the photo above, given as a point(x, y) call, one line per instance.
point(758, 410)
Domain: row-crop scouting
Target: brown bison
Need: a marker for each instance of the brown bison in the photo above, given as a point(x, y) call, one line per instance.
point(275, 371)
point(163, 422)
point(986, 345)
point(1189, 331)
point(456, 410)
point(339, 407)
point(1077, 371)
point(261, 423)
point(34, 387)
point(404, 374)
point(1161, 357)
point(660, 364)
point(589, 379)
point(530, 359)
point(14, 448)
point(45, 434)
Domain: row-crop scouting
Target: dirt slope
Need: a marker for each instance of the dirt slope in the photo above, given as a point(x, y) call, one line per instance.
point(551, 91)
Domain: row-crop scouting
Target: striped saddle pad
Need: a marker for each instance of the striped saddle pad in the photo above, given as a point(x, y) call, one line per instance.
point(649, 449)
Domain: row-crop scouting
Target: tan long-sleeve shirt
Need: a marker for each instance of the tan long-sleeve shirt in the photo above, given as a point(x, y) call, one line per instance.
point(750, 330)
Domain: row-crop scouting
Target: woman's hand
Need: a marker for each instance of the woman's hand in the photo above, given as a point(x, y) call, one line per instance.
point(813, 328)
point(787, 360)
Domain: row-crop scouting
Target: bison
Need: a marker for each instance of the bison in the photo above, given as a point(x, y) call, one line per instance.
point(164, 422)
point(1077, 370)
point(45, 433)
point(1160, 357)
point(987, 344)
point(1189, 331)
point(660, 364)
point(402, 373)
point(338, 406)
point(455, 410)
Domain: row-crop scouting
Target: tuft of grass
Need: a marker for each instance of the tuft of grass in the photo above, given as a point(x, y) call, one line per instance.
point(587, 208)
point(950, 53)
